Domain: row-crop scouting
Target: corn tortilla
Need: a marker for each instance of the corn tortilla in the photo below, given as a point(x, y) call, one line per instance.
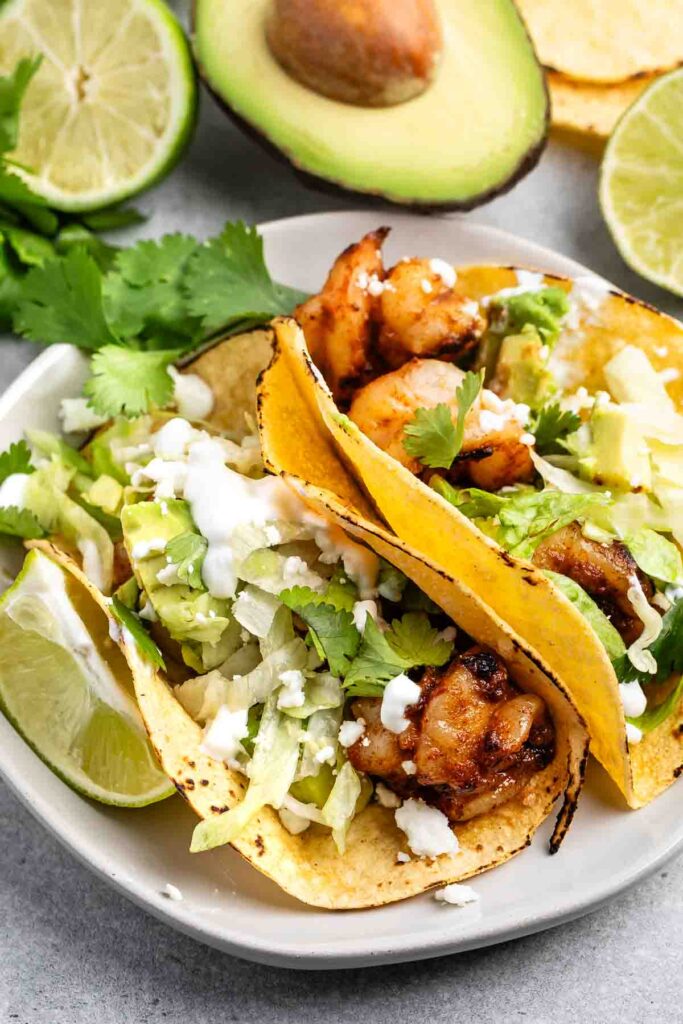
point(590, 108)
point(516, 591)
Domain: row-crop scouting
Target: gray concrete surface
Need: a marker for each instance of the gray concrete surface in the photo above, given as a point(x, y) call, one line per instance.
point(73, 952)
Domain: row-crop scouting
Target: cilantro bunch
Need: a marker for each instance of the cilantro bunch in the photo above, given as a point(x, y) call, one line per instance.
point(135, 310)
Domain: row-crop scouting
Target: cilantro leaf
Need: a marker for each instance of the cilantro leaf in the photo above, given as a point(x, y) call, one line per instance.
point(30, 248)
point(12, 89)
point(432, 437)
point(376, 661)
point(333, 630)
point(127, 381)
point(62, 302)
point(550, 424)
point(417, 642)
point(544, 309)
point(72, 235)
point(19, 522)
point(17, 459)
point(187, 552)
point(130, 621)
point(411, 642)
point(227, 281)
point(143, 295)
point(667, 650)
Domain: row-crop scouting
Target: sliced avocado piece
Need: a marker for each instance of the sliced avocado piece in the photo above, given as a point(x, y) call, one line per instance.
point(187, 613)
point(617, 455)
point(477, 128)
point(522, 372)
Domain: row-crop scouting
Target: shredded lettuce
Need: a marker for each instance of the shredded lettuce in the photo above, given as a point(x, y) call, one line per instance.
point(601, 625)
point(656, 556)
point(271, 773)
point(340, 805)
point(255, 610)
point(322, 730)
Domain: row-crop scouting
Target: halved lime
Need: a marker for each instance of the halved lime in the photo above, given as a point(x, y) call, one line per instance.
point(113, 102)
point(641, 183)
point(66, 688)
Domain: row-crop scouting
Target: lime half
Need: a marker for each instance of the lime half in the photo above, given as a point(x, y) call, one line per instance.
point(67, 689)
point(641, 184)
point(113, 102)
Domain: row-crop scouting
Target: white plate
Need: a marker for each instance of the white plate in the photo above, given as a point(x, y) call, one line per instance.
point(226, 902)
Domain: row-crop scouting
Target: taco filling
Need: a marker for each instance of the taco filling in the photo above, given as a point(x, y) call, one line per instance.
point(504, 392)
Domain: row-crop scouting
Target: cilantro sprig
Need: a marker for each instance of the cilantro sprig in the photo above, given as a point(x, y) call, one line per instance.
point(365, 662)
point(187, 552)
point(432, 437)
point(17, 459)
point(549, 425)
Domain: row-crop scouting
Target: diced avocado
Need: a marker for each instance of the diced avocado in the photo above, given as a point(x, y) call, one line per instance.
point(315, 789)
point(128, 593)
point(521, 372)
point(478, 126)
point(106, 493)
point(187, 613)
point(631, 377)
point(617, 455)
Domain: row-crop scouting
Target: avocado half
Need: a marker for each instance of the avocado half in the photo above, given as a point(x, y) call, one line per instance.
point(478, 128)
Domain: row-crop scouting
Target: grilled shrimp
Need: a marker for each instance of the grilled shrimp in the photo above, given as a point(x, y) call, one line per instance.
point(492, 455)
point(605, 571)
point(474, 739)
point(421, 315)
point(337, 321)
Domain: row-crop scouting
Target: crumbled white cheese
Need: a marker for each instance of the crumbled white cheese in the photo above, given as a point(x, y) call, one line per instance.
point(350, 732)
point(409, 767)
point(448, 634)
point(669, 375)
point(294, 824)
point(145, 548)
point(325, 754)
point(426, 286)
point(222, 738)
point(386, 797)
point(528, 439)
point(399, 694)
point(456, 895)
point(172, 892)
point(403, 858)
point(168, 576)
point(444, 270)
point(361, 610)
point(78, 417)
point(192, 396)
point(426, 828)
point(13, 490)
point(292, 692)
point(491, 421)
point(273, 535)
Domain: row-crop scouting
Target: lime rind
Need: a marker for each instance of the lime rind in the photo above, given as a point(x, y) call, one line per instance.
point(641, 184)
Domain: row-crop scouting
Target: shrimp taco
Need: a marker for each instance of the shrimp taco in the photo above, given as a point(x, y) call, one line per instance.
point(354, 722)
point(524, 433)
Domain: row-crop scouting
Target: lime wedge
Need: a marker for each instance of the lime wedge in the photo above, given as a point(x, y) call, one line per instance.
point(641, 183)
point(113, 102)
point(67, 689)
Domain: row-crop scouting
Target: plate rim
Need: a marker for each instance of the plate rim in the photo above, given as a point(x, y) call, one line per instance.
point(387, 948)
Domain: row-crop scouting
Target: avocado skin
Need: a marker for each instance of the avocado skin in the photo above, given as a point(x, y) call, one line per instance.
point(373, 198)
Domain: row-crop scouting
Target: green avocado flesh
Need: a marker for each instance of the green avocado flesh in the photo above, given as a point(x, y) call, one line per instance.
point(474, 131)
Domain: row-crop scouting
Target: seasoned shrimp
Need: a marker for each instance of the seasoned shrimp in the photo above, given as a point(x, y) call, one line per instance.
point(605, 571)
point(337, 322)
point(421, 315)
point(493, 453)
point(474, 739)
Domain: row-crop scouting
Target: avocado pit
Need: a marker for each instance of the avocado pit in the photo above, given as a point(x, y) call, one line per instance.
point(370, 53)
